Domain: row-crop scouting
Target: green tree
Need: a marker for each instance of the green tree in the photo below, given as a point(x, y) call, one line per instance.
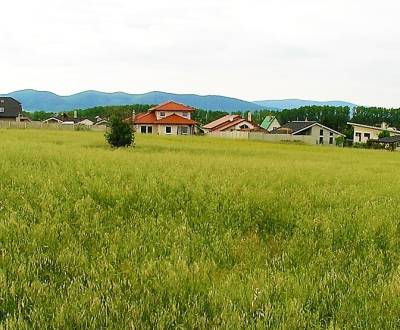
point(384, 134)
point(121, 133)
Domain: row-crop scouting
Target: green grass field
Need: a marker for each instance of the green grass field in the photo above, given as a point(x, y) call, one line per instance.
point(196, 233)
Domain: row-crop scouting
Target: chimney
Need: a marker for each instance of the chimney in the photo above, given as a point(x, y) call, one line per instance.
point(249, 116)
point(75, 114)
point(231, 118)
point(384, 125)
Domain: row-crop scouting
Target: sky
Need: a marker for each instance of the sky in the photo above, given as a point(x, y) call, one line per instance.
point(254, 49)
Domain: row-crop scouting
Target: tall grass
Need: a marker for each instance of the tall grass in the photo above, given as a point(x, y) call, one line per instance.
point(196, 233)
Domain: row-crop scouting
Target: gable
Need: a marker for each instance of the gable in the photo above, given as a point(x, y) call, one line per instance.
point(172, 106)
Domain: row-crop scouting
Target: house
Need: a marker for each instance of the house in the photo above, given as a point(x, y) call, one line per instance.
point(11, 110)
point(99, 121)
point(230, 123)
point(270, 123)
point(320, 133)
point(64, 119)
point(363, 133)
point(169, 118)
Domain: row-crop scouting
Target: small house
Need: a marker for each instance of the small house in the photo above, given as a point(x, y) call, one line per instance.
point(270, 123)
point(363, 133)
point(230, 123)
point(321, 134)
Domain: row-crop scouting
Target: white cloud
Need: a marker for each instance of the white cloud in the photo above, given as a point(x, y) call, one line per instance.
point(254, 49)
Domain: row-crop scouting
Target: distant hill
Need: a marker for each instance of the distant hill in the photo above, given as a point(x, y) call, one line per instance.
point(295, 103)
point(33, 100)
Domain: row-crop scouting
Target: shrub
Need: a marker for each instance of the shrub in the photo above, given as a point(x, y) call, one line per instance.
point(360, 145)
point(340, 141)
point(384, 134)
point(121, 133)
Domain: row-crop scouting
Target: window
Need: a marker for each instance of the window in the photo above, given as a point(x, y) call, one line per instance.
point(168, 130)
point(185, 114)
point(162, 114)
point(331, 133)
point(1, 109)
point(331, 140)
point(367, 135)
point(143, 129)
point(321, 140)
point(358, 136)
point(184, 130)
point(150, 129)
point(321, 132)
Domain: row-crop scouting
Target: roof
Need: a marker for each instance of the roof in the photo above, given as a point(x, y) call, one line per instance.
point(390, 129)
point(296, 127)
point(267, 122)
point(150, 118)
point(229, 124)
point(145, 118)
point(390, 139)
point(63, 119)
point(176, 119)
point(9, 99)
point(172, 106)
point(222, 120)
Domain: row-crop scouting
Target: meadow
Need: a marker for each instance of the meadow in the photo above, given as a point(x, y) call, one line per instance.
point(196, 232)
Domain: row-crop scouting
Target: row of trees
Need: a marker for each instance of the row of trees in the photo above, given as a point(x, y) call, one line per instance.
point(334, 117)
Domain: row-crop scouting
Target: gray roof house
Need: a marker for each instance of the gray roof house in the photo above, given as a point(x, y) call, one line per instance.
point(10, 109)
point(320, 134)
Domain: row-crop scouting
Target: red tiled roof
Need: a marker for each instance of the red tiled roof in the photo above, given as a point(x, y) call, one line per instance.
point(229, 124)
point(176, 119)
point(172, 106)
point(145, 118)
point(150, 118)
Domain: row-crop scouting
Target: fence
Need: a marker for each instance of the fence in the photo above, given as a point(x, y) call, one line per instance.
point(40, 125)
point(307, 139)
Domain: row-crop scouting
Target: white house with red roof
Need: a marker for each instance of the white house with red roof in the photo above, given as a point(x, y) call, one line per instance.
point(230, 123)
point(169, 118)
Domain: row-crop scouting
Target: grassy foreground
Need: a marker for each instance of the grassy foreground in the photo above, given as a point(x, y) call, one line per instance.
point(196, 233)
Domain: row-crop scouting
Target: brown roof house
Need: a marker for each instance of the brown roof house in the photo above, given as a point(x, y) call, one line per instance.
point(231, 123)
point(169, 118)
point(11, 110)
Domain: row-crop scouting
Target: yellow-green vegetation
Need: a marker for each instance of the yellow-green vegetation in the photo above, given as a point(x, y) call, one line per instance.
point(196, 233)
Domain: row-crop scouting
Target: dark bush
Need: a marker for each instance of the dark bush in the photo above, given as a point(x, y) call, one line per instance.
point(121, 133)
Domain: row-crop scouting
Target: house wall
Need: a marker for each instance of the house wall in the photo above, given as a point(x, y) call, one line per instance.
point(361, 134)
point(160, 129)
point(8, 119)
point(324, 138)
point(275, 124)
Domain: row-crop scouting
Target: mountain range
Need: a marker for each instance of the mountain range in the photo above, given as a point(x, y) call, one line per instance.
point(33, 100)
point(296, 103)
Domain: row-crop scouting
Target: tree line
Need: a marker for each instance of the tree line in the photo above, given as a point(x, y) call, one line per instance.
point(333, 117)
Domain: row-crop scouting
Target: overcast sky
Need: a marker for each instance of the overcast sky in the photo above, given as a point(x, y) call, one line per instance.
point(250, 49)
